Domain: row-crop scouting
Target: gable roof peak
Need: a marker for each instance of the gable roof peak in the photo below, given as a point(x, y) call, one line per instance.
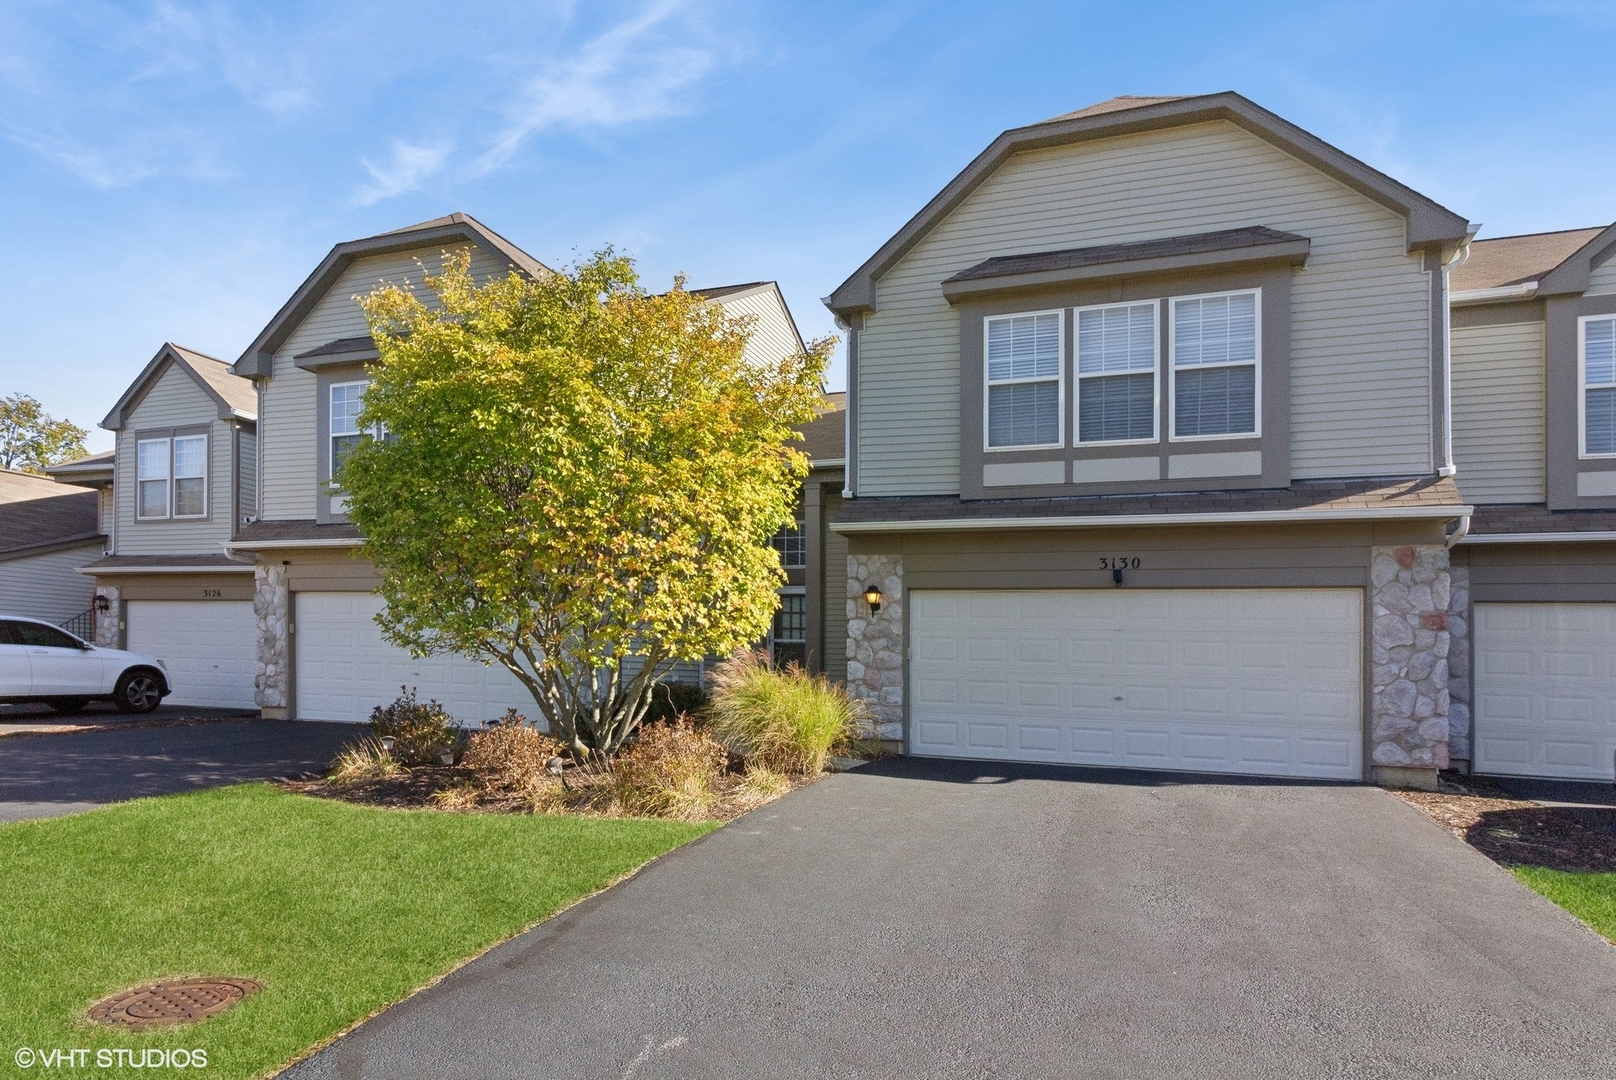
point(1116, 104)
point(234, 396)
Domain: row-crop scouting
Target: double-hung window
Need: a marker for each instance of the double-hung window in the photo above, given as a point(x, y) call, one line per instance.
point(788, 638)
point(790, 543)
point(1024, 356)
point(151, 470)
point(171, 477)
point(347, 401)
point(1216, 353)
point(1116, 373)
point(1598, 368)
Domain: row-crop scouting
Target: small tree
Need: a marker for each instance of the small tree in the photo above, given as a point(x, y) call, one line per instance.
point(578, 482)
point(31, 439)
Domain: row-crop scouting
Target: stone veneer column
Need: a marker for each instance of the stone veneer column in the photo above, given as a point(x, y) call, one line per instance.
point(271, 603)
point(108, 634)
point(1410, 593)
point(875, 641)
point(1459, 684)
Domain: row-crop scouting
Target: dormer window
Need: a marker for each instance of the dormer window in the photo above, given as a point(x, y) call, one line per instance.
point(1598, 371)
point(171, 477)
point(1216, 351)
point(1024, 381)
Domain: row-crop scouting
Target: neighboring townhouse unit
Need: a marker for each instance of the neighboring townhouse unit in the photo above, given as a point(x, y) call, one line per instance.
point(46, 534)
point(810, 627)
point(1148, 463)
point(1534, 413)
point(320, 655)
point(184, 478)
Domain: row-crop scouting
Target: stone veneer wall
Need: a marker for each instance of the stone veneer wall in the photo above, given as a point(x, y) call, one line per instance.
point(1459, 662)
point(271, 604)
point(875, 641)
point(108, 632)
point(1410, 643)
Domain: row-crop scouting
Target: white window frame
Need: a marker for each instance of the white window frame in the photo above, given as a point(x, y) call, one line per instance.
point(1172, 369)
point(174, 478)
point(1078, 376)
point(794, 591)
point(167, 479)
point(331, 433)
point(1583, 387)
point(1060, 380)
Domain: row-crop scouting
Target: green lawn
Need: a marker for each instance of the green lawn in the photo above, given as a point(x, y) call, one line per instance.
point(337, 909)
point(1590, 897)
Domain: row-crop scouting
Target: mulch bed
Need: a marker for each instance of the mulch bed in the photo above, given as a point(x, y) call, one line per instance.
point(1515, 832)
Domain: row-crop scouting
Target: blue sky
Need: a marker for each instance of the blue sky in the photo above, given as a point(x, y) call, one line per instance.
point(171, 171)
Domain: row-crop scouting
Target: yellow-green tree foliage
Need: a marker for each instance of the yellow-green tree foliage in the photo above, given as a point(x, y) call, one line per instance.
point(577, 482)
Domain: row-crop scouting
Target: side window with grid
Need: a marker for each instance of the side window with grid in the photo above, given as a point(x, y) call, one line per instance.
point(788, 641)
point(791, 544)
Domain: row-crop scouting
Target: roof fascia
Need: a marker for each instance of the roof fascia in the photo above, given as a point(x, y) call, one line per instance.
point(255, 361)
point(1101, 521)
point(1571, 276)
point(1293, 252)
point(137, 391)
point(1427, 222)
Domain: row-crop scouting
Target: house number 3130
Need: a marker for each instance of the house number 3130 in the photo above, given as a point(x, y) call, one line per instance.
point(1119, 562)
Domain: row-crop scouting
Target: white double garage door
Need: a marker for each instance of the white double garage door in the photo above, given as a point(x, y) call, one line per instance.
point(1255, 681)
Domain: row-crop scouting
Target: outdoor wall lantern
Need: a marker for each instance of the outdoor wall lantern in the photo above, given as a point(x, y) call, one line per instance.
point(872, 596)
point(103, 604)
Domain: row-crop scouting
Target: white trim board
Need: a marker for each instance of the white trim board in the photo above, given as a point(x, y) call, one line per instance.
point(1259, 517)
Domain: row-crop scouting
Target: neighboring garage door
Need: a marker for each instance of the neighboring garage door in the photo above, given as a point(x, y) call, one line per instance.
point(343, 667)
point(1260, 681)
point(210, 647)
point(1545, 690)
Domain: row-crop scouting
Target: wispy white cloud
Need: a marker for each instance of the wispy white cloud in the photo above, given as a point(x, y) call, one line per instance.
point(406, 167)
point(637, 70)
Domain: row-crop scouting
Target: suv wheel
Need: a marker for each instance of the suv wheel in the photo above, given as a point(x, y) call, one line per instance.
point(138, 691)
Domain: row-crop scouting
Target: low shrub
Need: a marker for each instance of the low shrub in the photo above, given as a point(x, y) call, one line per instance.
point(785, 721)
point(510, 755)
point(672, 770)
point(362, 762)
point(420, 733)
point(674, 699)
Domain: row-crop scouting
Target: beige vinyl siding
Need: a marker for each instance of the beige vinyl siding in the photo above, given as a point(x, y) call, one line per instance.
point(175, 400)
point(247, 474)
point(1602, 278)
point(1360, 344)
point(289, 424)
point(772, 333)
point(1498, 412)
point(106, 506)
point(48, 586)
point(836, 600)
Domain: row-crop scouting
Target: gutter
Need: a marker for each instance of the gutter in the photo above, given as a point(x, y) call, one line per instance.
point(1524, 291)
point(267, 545)
point(1101, 521)
point(1605, 536)
point(107, 571)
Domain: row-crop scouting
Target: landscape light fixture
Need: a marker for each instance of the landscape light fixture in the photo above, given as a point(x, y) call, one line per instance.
point(872, 596)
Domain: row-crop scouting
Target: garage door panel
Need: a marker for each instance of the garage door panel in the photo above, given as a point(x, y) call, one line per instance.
point(1182, 679)
point(209, 646)
point(344, 668)
point(1545, 690)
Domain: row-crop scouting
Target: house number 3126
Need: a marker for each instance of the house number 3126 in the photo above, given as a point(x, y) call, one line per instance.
point(1119, 562)
point(212, 594)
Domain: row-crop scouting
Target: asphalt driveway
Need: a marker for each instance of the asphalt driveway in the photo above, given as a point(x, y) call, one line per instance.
point(47, 775)
point(926, 919)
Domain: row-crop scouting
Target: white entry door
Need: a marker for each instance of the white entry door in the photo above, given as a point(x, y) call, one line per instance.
point(1545, 690)
point(1257, 681)
point(344, 668)
point(210, 647)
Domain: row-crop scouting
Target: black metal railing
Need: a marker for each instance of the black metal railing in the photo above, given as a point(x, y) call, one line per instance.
point(81, 625)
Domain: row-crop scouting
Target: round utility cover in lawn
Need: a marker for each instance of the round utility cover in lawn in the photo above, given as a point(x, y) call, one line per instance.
point(170, 1002)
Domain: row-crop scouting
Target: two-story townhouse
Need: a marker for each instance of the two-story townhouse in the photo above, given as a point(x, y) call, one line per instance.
point(1534, 414)
point(181, 479)
point(1148, 462)
point(320, 654)
point(46, 534)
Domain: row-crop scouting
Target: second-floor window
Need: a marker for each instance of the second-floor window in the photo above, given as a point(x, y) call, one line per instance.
point(790, 543)
point(171, 477)
point(1116, 373)
point(1598, 386)
point(347, 401)
point(1024, 381)
point(1216, 353)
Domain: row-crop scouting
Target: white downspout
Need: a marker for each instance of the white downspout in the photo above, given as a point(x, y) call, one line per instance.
point(1449, 468)
point(1460, 533)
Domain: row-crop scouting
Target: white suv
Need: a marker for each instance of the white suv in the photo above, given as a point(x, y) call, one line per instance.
point(41, 662)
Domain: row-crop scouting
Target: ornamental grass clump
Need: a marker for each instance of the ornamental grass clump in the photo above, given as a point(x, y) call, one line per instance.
point(510, 755)
point(673, 770)
point(784, 721)
point(362, 762)
point(420, 732)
